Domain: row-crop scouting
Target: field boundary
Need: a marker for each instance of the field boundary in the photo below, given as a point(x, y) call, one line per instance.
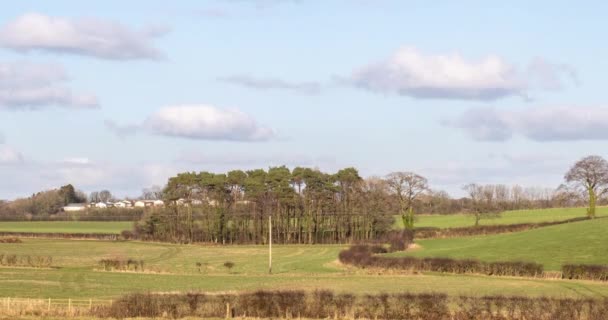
point(437, 233)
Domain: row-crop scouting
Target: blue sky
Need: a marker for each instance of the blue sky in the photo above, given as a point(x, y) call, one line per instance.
point(121, 95)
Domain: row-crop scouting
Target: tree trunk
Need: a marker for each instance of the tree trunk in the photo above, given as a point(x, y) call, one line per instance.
point(592, 199)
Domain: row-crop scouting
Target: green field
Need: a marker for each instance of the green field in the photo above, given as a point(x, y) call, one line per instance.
point(173, 267)
point(295, 267)
point(579, 242)
point(66, 226)
point(507, 217)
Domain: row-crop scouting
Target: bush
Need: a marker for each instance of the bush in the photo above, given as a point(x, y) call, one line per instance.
point(117, 264)
point(325, 304)
point(585, 272)
point(363, 256)
point(431, 232)
point(10, 240)
point(229, 265)
point(13, 260)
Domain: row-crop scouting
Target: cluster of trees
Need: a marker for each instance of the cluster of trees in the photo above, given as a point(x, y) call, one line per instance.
point(43, 203)
point(101, 196)
point(306, 206)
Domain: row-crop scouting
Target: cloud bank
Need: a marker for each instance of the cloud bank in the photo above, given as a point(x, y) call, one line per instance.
point(538, 124)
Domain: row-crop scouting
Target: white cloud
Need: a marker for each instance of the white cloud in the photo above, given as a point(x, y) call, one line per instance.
point(410, 72)
point(539, 124)
point(33, 86)
point(84, 36)
point(273, 83)
point(206, 122)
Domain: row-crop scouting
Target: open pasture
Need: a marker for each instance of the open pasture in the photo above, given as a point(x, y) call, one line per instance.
point(507, 217)
point(584, 242)
point(174, 268)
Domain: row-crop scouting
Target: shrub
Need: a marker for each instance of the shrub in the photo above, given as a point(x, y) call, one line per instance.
point(325, 304)
point(585, 272)
point(229, 265)
point(431, 232)
point(363, 256)
point(118, 264)
point(10, 240)
point(13, 260)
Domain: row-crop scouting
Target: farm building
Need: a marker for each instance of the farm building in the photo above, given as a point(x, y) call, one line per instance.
point(75, 207)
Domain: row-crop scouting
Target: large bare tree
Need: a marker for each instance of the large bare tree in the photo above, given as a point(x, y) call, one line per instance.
point(589, 175)
point(407, 186)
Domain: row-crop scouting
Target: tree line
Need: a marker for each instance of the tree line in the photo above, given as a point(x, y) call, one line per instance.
point(310, 205)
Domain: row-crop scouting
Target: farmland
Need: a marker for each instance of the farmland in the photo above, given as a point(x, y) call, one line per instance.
point(579, 242)
point(173, 267)
point(507, 217)
point(66, 226)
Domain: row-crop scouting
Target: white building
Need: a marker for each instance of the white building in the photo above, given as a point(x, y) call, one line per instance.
point(101, 205)
point(149, 203)
point(123, 204)
point(75, 207)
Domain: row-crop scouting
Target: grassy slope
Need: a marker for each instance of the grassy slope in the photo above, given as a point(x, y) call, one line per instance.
point(508, 217)
point(295, 267)
point(67, 226)
point(579, 242)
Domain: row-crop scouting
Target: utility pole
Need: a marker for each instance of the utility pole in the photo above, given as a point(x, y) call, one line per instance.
point(270, 244)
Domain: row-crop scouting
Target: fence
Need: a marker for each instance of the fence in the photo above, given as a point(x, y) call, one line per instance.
point(49, 306)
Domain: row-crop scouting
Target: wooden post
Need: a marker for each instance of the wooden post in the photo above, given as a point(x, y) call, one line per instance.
point(90, 304)
point(270, 244)
point(48, 307)
point(70, 306)
point(228, 315)
point(8, 303)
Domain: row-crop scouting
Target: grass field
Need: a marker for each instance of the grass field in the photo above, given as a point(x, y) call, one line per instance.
point(295, 267)
point(579, 242)
point(507, 217)
point(172, 267)
point(67, 226)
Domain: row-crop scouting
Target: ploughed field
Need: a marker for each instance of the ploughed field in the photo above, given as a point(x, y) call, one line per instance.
point(76, 273)
point(507, 217)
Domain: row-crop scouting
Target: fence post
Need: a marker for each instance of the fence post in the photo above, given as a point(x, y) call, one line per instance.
point(228, 311)
point(90, 304)
point(8, 303)
point(48, 307)
point(70, 305)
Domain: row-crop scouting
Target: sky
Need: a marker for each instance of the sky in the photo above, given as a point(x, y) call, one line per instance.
point(121, 95)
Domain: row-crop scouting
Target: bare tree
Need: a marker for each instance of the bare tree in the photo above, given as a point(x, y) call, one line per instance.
point(589, 175)
point(152, 193)
point(482, 206)
point(105, 196)
point(407, 186)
